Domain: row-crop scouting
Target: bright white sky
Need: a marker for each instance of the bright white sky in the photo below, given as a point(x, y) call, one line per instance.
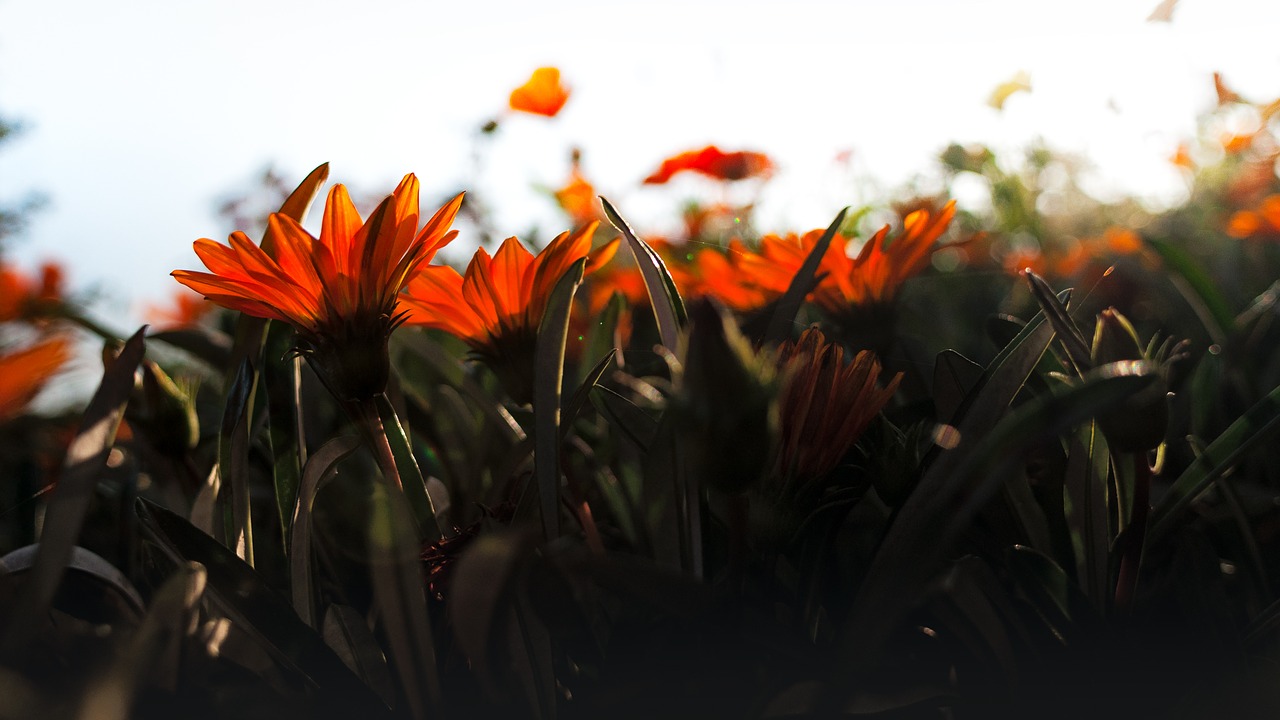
point(140, 114)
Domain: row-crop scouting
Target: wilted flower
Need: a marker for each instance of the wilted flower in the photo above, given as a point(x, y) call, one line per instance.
point(24, 372)
point(715, 163)
point(497, 307)
point(340, 292)
point(825, 404)
point(543, 94)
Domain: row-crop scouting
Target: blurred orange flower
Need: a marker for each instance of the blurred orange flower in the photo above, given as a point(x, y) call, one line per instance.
point(340, 292)
point(187, 310)
point(578, 198)
point(24, 372)
point(543, 94)
point(1263, 220)
point(497, 307)
point(714, 162)
point(26, 297)
point(825, 404)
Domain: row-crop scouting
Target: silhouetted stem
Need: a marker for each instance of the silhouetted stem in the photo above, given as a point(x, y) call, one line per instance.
point(1135, 535)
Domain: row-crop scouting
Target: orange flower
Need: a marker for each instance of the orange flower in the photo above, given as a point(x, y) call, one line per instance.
point(714, 162)
point(340, 292)
point(825, 405)
point(543, 94)
point(24, 372)
point(578, 199)
point(26, 297)
point(497, 307)
point(187, 310)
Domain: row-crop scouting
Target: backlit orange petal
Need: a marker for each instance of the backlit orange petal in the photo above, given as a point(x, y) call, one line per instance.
point(543, 94)
point(24, 372)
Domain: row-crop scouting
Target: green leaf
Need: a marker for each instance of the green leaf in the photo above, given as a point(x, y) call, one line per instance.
point(211, 346)
point(601, 338)
point(320, 469)
point(415, 486)
point(956, 487)
point(400, 596)
point(153, 654)
point(282, 380)
point(548, 374)
point(583, 393)
point(664, 298)
point(346, 632)
point(954, 377)
point(240, 594)
point(1056, 310)
point(233, 459)
point(639, 426)
point(1085, 489)
point(803, 283)
point(85, 459)
point(1256, 426)
point(1197, 288)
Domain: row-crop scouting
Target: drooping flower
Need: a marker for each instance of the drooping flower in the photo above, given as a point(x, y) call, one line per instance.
point(340, 292)
point(825, 404)
point(543, 94)
point(714, 163)
point(24, 372)
point(497, 306)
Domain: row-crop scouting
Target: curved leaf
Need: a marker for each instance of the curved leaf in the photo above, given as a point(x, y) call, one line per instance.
point(548, 375)
point(803, 283)
point(320, 468)
point(668, 308)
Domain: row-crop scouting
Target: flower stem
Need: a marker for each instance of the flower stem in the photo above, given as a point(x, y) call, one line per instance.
point(1135, 535)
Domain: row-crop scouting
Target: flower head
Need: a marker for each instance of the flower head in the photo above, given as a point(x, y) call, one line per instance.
point(825, 404)
point(23, 297)
point(714, 163)
point(543, 94)
point(497, 306)
point(339, 292)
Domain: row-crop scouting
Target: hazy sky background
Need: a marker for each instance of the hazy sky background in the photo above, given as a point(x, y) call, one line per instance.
point(141, 115)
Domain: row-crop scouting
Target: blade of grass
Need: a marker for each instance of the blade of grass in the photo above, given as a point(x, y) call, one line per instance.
point(944, 505)
point(548, 375)
point(281, 380)
point(233, 461)
point(664, 298)
point(583, 393)
point(1256, 426)
point(85, 458)
point(319, 469)
point(1195, 286)
point(239, 593)
point(1088, 466)
point(415, 486)
point(803, 283)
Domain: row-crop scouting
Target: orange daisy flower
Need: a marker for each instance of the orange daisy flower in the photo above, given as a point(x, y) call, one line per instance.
point(339, 292)
point(24, 372)
point(497, 307)
point(715, 163)
point(543, 94)
point(825, 404)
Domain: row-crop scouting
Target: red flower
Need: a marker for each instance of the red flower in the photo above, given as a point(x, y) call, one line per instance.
point(715, 163)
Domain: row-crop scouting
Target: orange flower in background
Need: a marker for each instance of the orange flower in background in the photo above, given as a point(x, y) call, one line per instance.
point(26, 297)
point(24, 372)
point(877, 273)
point(715, 163)
point(825, 404)
point(497, 306)
point(780, 257)
point(339, 292)
point(543, 94)
point(578, 199)
point(187, 310)
point(1263, 220)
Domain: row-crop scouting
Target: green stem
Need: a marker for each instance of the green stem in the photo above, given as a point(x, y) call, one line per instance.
point(1135, 535)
